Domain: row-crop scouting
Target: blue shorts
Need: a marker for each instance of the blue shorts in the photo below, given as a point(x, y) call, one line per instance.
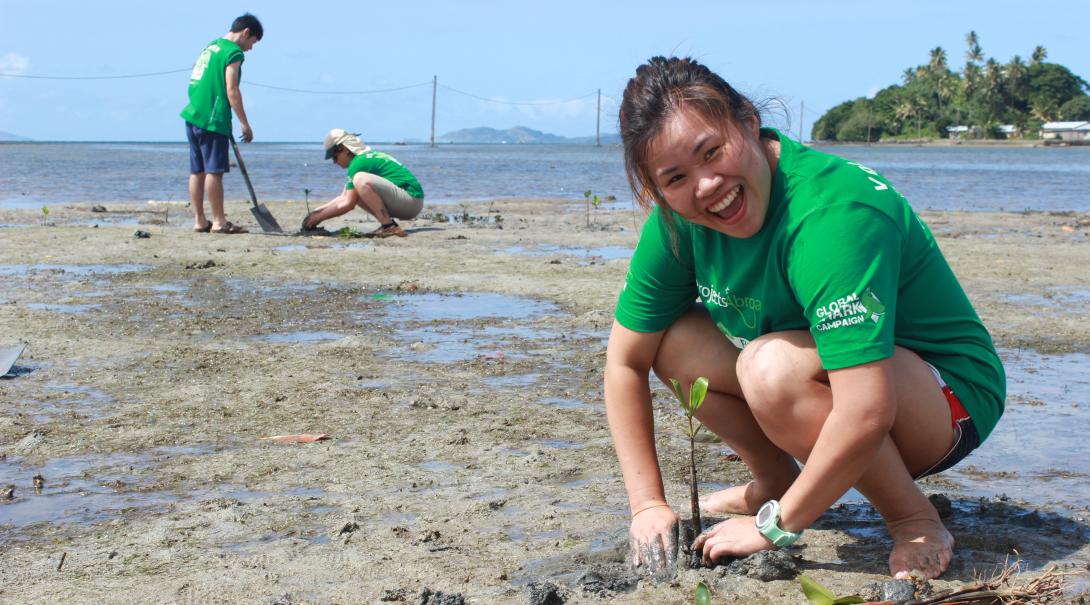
point(207, 150)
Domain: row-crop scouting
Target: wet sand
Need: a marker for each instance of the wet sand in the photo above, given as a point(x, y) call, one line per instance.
point(458, 373)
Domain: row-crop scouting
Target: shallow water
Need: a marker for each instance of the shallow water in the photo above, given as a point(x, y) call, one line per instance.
point(78, 270)
point(951, 178)
point(1037, 452)
point(604, 253)
point(445, 328)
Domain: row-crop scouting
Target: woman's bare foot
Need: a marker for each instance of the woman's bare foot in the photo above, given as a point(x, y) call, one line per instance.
point(920, 545)
point(738, 500)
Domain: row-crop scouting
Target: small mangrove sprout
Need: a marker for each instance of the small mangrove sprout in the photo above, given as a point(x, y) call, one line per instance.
point(697, 391)
point(592, 198)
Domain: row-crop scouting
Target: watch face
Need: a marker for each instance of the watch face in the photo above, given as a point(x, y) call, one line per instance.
point(764, 515)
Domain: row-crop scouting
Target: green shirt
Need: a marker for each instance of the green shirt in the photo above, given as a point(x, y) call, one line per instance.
point(384, 165)
point(208, 106)
point(841, 254)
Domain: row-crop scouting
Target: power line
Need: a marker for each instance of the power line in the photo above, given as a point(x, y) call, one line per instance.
point(145, 75)
point(337, 92)
point(311, 91)
point(461, 92)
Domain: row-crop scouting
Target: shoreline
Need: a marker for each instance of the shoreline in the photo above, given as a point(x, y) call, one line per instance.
point(951, 143)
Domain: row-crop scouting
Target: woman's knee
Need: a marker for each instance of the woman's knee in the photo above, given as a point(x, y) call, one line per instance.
point(772, 368)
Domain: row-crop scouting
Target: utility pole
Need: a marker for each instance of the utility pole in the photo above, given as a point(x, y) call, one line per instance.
point(802, 107)
point(598, 123)
point(434, 85)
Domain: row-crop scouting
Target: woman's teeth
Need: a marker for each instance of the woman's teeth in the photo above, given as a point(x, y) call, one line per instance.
point(727, 200)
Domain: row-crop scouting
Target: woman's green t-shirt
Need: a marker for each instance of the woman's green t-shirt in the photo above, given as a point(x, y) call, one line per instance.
point(841, 254)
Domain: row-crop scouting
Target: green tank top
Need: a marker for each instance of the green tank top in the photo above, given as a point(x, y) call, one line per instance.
point(208, 106)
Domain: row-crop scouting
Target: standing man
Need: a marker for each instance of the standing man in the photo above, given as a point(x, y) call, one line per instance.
point(213, 93)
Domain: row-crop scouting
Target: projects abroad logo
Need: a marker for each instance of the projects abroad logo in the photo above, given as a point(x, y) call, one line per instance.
point(727, 299)
point(850, 310)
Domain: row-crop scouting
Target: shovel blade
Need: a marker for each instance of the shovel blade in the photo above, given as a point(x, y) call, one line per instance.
point(8, 357)
point(265, 219)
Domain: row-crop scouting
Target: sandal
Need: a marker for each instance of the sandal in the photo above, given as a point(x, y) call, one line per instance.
point(230, 228)
point(205, 229)
point(390, 230)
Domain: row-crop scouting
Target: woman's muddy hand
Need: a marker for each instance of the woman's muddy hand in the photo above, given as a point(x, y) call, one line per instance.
point(736, 537)
point(653, 538)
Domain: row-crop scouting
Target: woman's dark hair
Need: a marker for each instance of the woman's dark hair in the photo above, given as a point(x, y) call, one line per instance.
point(661, 87)
point(250, 21)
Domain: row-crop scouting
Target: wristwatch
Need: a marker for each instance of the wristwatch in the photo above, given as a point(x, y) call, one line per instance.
point(768, 523)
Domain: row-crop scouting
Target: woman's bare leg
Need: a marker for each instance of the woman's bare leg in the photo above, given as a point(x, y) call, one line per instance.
point(787, 389)
point(694, 347)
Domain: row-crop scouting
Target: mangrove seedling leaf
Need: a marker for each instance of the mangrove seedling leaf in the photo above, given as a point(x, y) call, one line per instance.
point(676, 386)
point(586, 194)
point(702, 596)
point(697, 393)
point(849, 600)
point(816, 593)
point(45, 210)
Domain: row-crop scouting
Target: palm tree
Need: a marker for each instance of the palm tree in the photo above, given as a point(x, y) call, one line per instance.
point(1039, 55)
point(909, 75)
point(937, 64)
point(909, 107)
point(974, 54)
point(1016, 77)
point(993, 90)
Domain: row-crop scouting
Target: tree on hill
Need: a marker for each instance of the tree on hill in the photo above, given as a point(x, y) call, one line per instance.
point(983, 96)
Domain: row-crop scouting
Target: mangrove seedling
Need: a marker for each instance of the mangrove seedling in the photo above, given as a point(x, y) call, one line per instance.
point(819, 595)
point(306, 199)
point(45, 214)
point(697, 391)
point(592, 198)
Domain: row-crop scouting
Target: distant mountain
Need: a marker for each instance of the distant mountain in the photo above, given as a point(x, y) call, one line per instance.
point(7, 136)
point(519, 135)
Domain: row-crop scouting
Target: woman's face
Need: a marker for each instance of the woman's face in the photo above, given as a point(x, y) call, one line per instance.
point(720, 178)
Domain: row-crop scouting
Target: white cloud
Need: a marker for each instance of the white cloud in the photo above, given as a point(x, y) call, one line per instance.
point(14, 64)
point(542, 108)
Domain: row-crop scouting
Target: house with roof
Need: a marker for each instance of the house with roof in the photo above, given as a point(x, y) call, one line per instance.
point(1071, 132)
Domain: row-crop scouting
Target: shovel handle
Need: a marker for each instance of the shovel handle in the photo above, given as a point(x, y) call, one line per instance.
point(242, 168)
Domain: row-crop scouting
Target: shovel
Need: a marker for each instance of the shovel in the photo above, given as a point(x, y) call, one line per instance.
point(8, 357)
point(260, 212)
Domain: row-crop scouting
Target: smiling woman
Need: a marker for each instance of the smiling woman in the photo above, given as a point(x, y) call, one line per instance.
point(831, 329)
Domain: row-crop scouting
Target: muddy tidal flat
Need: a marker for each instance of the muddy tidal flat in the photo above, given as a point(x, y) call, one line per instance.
point(458, 374)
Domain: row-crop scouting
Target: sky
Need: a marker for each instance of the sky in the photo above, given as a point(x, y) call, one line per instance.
point(498, 63)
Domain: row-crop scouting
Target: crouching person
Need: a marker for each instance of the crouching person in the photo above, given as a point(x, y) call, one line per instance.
point(376, 182)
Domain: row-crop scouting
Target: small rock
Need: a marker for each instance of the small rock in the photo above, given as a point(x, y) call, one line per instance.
point(39, 481)
point(397, 594)
point(208, 264)
point(141, 234)
point(544, 593)
point(28, 443)
point(98, 208)
point(348, 528)
point(430, 535)
point(7, 492)
point(766, 566)
point(898, 591)
point(603, 586)
point(429, 597)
